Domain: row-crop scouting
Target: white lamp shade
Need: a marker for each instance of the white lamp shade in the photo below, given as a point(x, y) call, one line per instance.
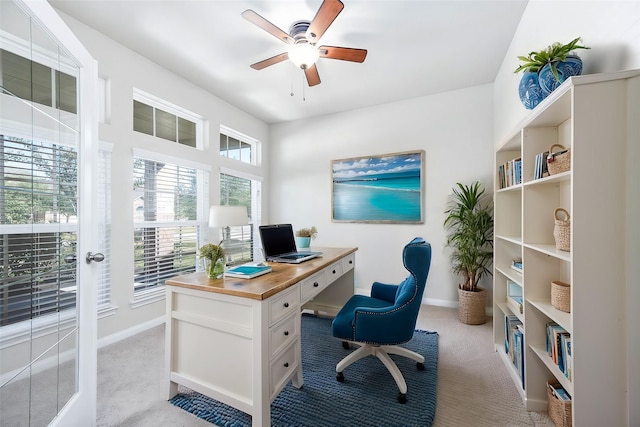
point(224, 216)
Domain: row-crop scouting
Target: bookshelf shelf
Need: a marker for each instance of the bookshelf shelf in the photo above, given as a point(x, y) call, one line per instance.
point(572, 116)
point(542, 355)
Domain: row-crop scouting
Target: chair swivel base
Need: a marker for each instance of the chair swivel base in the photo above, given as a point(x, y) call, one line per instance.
point(382, 352)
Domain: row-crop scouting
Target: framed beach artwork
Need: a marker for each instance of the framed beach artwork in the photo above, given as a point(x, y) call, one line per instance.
point(379, 189)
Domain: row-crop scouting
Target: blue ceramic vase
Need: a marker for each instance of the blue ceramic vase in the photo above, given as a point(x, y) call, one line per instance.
point(572, 66)
point(531, 94)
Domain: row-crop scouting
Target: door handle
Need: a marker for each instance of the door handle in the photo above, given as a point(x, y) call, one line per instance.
point(70, 259)
point(97, 257)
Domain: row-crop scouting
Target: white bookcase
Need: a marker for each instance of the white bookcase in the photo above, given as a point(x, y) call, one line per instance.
point(589, 115)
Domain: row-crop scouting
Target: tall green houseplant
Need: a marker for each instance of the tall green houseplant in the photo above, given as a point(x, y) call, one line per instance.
point(469, 226)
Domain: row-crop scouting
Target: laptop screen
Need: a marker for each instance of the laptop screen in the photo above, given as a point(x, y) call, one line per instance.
point(277, 239)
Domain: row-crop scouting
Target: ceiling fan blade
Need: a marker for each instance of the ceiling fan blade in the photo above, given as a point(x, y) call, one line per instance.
point(343, 53)
point(270, 61)
point(313, 78)
point(261, 22)
point(327, 13)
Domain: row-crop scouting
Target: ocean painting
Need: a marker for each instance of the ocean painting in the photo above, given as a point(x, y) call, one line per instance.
point(386, 188)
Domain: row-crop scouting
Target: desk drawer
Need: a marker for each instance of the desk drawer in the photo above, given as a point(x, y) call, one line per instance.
point(334, 271)
point(348, 262)
point(283, 334)
point(282, 367)
point(313, 285)
point(283, 304)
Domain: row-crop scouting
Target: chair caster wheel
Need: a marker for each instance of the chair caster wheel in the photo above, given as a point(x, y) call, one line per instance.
point(402, 398)
point(420, 366)
point(345, 345)
point(340, 377)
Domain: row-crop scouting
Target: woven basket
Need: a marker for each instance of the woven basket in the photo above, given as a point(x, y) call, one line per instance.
point(472, 306)
point(559, 410)
point(561, 296)
point(560, 161)
point(562, 230)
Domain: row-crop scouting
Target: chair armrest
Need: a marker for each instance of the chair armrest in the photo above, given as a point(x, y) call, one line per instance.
point(384, 292)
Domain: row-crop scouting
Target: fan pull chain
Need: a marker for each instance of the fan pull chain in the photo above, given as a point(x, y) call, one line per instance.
point(304, 98)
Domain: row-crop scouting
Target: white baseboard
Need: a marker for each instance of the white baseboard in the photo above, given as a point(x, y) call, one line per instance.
point(129, 332)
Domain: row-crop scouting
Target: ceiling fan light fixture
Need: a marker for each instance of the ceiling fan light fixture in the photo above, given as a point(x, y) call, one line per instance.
point(303, 55)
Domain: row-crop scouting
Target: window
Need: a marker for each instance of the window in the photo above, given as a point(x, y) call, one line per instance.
point(237, 146)
point(240, 243)
point(159, 119)
point(165, 216)
point(35, 82)
point(38, 228)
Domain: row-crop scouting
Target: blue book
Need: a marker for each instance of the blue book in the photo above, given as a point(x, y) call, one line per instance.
point(248, 271)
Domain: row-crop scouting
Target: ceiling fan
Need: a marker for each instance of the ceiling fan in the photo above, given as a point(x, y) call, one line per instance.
point(302, 39)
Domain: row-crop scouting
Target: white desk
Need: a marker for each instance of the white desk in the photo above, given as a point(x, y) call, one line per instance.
point(237, 340)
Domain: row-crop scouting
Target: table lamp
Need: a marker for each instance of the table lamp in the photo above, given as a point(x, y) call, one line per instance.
point(225, 217)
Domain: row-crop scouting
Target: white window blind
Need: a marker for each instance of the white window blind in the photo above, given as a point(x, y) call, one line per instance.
point(165, 221)
point(104, 223)
point(38, 228)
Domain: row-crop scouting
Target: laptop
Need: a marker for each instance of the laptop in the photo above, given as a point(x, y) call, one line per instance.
point(279, 245)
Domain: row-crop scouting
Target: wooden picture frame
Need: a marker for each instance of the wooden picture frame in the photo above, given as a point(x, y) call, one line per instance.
point(387, 188)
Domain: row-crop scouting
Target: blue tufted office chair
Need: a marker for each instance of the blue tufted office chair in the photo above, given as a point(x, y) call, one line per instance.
point(387, 318)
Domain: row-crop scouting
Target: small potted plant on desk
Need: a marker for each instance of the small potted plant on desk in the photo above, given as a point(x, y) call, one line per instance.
point(469, 226)
point(213, 259)
point(304, 236)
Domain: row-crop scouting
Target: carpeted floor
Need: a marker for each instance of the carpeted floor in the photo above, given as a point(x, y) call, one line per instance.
point(368, 397)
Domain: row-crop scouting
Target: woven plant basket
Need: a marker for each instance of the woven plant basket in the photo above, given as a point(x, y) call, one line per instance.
point(562, 230)
point(559, 410)
point(559, 161)
point(561, 296)
point(472, 308)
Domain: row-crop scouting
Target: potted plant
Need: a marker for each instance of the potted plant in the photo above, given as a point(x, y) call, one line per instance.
point(546, 69)
point(213, 259)
point(469, 227)
point(304, 236)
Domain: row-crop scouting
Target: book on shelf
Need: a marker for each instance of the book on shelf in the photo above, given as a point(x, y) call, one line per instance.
point(514, 344)
point(514, 296)
point(510, 173)
point(541, 169)
point(248, 271)
point(517, 265)
point(559, 348)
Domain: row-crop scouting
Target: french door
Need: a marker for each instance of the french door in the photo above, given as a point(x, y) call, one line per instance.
point(48, 153)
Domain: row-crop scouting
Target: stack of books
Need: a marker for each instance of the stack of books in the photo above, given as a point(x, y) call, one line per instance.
point(559, 348)
point(514, 344)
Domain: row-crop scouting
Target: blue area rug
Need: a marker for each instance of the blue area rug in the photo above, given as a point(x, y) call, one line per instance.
point(368, 397)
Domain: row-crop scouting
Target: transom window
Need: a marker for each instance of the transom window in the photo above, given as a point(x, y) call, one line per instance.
point(157, 118)
point(237, 146)
point(35, 82)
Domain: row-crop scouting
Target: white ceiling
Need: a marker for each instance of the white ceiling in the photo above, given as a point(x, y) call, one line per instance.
point(415, 48)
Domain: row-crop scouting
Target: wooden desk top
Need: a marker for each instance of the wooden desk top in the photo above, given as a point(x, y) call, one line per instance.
point(262, 287)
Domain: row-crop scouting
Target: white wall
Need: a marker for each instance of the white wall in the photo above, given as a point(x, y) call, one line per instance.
point(612, 30)
point(454, 130)
point(126, 70)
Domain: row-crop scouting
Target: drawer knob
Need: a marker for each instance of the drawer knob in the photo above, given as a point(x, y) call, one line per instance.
point(334, 272)
point(316, 284)
point(286, 364)
point(286, 333)
point(286, 304)
point(350, 261)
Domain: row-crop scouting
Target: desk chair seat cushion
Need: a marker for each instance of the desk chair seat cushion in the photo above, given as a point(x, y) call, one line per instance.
point(378, 319)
